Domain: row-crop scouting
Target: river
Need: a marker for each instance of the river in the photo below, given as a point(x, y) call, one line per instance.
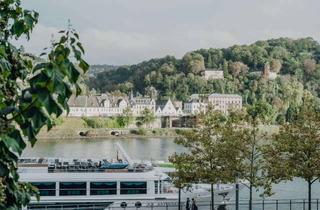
point(146, 149)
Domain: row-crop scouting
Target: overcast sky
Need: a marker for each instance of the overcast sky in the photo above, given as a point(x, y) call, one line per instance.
point(130, 31)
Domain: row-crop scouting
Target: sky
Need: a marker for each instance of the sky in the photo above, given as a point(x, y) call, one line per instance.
point(119, 32)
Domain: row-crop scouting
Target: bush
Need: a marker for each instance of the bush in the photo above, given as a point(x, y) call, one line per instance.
point(178, 131)
point(101, 122)
point(140, 131)
point(93, 122)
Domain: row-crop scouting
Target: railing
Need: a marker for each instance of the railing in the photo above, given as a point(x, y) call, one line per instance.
point(274, 204)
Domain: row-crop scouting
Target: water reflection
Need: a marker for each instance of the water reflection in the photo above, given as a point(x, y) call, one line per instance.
point(137, 148)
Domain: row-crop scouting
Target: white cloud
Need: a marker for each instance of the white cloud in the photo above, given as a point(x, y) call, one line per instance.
point(126, 31)
point(40, 38)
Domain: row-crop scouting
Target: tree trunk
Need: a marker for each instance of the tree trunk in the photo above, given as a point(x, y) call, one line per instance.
point(309, 194)
point(250, 197)
point(212, 197)
point(179, 199)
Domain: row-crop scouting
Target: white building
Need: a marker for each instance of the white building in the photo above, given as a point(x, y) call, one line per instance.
point(139, 104)
point(224, 102)
point(96, 106)
point(209, 74)
point(221, 102)
point(166, 108)
point(194, 107)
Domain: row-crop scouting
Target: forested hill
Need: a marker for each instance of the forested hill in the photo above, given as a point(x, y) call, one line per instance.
point(96, 69)
point(297, 63)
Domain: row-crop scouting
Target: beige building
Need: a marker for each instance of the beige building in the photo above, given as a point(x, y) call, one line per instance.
point(224, 102)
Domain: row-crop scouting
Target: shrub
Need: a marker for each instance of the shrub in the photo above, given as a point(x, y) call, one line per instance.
point(93, 122)
point(140, 131)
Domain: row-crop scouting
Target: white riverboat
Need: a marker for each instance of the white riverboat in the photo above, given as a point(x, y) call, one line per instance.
point(97, 184)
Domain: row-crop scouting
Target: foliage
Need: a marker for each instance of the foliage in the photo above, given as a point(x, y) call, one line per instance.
point(98, 122)
point(57, 121)
point(32, 93)
point(93, 122)
point(295, 150)
point(147, 117)
point(140, 131)
point(296, 62)
point(126, 118)
point(205, 160)
point(222, 148)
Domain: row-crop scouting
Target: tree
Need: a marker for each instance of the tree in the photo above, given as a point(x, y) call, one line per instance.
point(209, 61)
point(151, 92)
point(275, 65)
point(207, 160)
point(309, 65)
point(184, 172)
point(126, 118)
point(193, 63)
point(295, 150)
point(238, 68)
point(33, 92)
point(244, 140)
point(147, 117)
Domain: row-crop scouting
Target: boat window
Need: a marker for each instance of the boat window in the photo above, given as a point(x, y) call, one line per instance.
point(73, 188)
point(45, 188)
point(103, 188)
point(133, 188)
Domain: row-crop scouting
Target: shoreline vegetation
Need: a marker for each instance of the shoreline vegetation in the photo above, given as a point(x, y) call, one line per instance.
point(76, 128)
point(70, 128)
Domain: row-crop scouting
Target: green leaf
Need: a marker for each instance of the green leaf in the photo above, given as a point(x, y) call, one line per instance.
point(80, 47)
point(84, 65)
point(18, 28)
point(12, 144)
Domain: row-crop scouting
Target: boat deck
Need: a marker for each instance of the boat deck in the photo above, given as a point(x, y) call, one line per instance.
point(55, 165)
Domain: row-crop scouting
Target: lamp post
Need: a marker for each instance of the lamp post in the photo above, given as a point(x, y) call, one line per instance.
point(237, 191)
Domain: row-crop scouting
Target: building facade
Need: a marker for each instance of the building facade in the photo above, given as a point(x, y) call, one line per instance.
point(225, 102)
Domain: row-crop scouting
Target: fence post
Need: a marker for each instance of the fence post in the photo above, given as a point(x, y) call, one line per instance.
point(304, 204)
point(263, 204)
point(166, 206)
point(276, 204)
point(290, 205)
point(318, 204)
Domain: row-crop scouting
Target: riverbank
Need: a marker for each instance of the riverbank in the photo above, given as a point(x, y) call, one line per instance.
point(75, 128)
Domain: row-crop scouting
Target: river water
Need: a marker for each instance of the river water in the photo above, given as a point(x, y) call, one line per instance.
point(146, 149)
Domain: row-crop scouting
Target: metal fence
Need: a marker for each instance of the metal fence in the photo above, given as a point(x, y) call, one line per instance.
point(280, 204)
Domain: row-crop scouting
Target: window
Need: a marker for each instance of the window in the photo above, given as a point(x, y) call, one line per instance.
point(73, 188)
point(156, 187)
point(133, 188)
point(103, 188)
point(45, 188)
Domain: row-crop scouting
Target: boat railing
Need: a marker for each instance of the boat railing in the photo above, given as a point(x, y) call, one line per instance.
point(80, 166)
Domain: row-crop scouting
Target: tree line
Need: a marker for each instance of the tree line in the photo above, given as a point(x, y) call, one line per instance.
point(225, 148)
point(246, 70)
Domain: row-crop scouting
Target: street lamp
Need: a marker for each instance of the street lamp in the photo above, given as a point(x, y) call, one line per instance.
point(237, 191)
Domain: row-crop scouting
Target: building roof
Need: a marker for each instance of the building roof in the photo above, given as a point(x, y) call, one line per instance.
point(84, 101)
point(213, 95)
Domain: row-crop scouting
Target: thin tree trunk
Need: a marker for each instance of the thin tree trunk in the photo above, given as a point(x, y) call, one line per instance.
point(309, 194)
point(212, 197)
point(250, 197)
point(179, 199)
